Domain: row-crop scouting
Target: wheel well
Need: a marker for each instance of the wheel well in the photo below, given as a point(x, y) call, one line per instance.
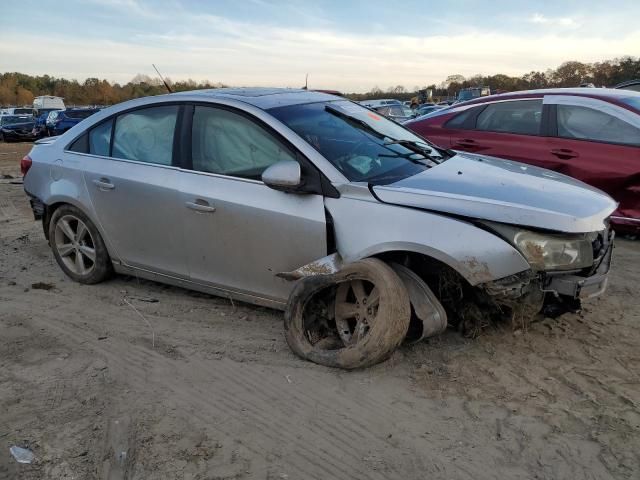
point(48, 213)
point(459, 298)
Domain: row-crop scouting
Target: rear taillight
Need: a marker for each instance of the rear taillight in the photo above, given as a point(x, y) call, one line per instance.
point(25, 164)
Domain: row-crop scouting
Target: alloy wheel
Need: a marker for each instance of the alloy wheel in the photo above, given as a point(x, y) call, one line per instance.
point(75, 245)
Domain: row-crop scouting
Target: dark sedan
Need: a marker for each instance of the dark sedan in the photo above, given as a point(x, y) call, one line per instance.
point(16, 128)
point(592, 134)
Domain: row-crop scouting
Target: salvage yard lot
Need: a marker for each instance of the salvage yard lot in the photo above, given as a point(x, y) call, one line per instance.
point(204, 388)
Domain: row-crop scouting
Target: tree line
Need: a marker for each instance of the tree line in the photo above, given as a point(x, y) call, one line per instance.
point(20, 89)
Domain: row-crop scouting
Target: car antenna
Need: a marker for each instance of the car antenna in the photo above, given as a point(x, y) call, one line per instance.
point(306, 82)
point(163, 80)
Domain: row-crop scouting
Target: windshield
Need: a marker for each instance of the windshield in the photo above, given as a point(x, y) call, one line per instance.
point(363, 145)
point(19, 111)
point(14, 119)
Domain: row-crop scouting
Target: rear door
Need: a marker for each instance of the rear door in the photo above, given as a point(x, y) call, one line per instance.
point(239, 233)
point(511, 129)
point(132, 178)
point(599, 143)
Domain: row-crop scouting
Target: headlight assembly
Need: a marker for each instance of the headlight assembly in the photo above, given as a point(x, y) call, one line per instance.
point(548, 251)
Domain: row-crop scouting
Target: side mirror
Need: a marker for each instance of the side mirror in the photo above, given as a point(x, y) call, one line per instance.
point(284, 175)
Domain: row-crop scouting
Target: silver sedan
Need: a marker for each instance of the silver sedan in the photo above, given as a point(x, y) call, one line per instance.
point(364, 233)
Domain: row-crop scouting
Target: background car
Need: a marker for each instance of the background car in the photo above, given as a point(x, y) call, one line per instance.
point(380, 102)
point(18, 111)
point(630, 85)
point(427, 108)
point(59, 121)
point(399, 113)
point(16, 127)
point(590, 134)
point(40, 126)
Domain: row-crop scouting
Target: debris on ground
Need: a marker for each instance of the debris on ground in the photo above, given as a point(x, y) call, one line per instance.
point(42, 286)
point(22, 455)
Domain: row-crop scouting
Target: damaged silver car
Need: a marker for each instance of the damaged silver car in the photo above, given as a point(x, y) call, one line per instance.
point(364, 233)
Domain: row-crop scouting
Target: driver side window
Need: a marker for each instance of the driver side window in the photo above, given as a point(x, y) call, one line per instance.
point(228, 143)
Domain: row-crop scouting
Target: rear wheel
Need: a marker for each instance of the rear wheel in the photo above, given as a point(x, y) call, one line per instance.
point(78, 247)
point(352, 319)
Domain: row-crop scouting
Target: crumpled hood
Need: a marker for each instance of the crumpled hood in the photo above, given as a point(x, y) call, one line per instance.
point(489, 188)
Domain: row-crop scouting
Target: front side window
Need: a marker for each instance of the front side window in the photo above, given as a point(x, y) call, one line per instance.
point(460, 120)
point(229, 143)
point(586, 123)
point(521, 117)
point(146, 135)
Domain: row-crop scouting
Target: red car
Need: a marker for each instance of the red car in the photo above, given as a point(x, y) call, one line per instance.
point(592, 134)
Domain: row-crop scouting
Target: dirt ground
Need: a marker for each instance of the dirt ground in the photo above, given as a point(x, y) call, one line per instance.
point(190, 386)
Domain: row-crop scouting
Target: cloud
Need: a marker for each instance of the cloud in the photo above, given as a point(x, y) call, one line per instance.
point(244, 53)
point(540, 19)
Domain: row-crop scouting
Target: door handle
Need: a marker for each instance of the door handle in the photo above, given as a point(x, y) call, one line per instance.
point(200, 206)
point(564, 153)
point(104, 184)
point(466, 143)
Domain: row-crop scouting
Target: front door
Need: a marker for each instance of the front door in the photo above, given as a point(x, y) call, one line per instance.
point(240, 233)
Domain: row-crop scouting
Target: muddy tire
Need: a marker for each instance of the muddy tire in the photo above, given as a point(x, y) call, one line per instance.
point(78, 247)
point(363, 318)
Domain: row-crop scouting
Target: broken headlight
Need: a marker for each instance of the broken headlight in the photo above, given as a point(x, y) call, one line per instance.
point(548, 251)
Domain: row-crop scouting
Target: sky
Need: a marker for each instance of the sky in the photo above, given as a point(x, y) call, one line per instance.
point(350, 46)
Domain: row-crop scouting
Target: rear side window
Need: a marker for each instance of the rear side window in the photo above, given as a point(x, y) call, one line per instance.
point(585, 123)
point(146, 135)
point(522, 117)
point(100, 139)
point(228, 143)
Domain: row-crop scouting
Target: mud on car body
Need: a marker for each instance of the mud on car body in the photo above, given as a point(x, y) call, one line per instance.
point(363, 232)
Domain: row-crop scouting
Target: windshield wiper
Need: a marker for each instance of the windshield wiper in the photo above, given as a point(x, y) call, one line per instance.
point(354, 120)
point(417, 147)
point(412, 145)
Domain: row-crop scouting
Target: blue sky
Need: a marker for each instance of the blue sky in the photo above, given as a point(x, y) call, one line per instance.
point(348, 45)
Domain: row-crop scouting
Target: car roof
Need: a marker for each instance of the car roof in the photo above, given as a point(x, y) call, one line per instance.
point(263, 98)
point(604, 93)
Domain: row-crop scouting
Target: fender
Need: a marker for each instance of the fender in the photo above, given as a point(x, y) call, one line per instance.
point(68, 187)
point(364, 228)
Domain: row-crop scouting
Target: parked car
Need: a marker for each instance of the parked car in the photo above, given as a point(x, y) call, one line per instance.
point(40, 125)
point(633, 85)
point(313, 204)
point(425, 109)
point(14, 128)
point(381, 102)
point(590, 134)
point(399, 113)
point(59, 121)
point(18, 111)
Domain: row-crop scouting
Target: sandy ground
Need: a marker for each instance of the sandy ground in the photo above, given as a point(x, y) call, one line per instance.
point(193, 387)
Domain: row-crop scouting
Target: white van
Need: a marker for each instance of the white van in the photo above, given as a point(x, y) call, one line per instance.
point(48, 102)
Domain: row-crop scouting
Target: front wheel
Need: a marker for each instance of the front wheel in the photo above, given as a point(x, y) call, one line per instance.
point(352, 319)
point(78, 247)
